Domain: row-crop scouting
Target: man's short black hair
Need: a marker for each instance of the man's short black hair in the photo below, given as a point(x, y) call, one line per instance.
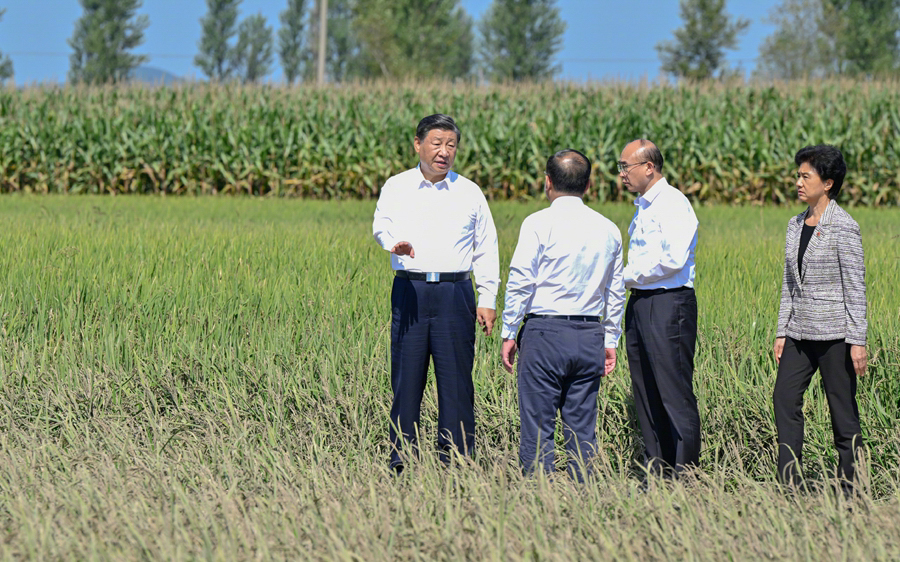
point(828, 162)
point(569, 172)
point(437, 121)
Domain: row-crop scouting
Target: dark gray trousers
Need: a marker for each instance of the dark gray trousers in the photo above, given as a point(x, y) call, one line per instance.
point(799, 361)
point(559, 369)
point(432, 321)
point(660, 337)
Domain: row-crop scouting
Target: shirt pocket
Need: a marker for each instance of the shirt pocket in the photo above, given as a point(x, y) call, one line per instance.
point(828, 294)
point(815, 316)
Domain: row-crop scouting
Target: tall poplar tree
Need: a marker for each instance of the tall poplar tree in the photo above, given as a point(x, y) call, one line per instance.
point(290, 39)
point(6, 65)
point(820, 38)
point(253, 52)
point(519, 39)
point(104, 35)
point(698, 50)
point(216, 58)
point(868, 42)
point(414, 39)
point(344, 59)
point(803, 44)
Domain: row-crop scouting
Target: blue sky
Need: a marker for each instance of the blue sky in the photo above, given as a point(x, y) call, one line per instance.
point(604, 40)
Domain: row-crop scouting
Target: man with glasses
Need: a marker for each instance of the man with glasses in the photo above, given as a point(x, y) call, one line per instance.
point(661, 314)
point(565, 281)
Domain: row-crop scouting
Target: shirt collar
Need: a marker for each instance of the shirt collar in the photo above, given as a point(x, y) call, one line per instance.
point(567, 201)
point(651, 194)
point(443, 184)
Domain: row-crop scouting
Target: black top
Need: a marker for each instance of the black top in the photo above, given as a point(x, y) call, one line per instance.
point(805, 236)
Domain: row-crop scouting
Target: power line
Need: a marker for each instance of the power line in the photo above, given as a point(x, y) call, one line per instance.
point(606, 60)
point(612, 60)
point(61, 54)
point(186, 56)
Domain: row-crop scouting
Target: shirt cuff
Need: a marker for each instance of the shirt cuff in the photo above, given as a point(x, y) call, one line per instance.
point(611, 341)
point(509, 332)
point(487, 300)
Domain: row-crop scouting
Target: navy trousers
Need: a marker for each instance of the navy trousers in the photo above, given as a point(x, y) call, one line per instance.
point(799, 361)
point(432, 321)
point(560, 366)
point(660, 337)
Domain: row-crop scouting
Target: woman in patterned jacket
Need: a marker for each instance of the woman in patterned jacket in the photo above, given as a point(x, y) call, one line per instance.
point(822, 319)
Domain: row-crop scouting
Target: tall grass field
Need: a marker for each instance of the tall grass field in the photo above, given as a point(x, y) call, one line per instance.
point(207, 379)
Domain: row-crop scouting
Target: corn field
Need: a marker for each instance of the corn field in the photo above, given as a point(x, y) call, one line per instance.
point(207, 379)
point(729, 144)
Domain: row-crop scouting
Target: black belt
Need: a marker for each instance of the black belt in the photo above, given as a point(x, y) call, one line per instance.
point(433, 276)
point(650, 292)
point(565, 317)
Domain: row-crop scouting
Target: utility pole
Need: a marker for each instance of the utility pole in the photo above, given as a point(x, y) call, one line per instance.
point(323, 36)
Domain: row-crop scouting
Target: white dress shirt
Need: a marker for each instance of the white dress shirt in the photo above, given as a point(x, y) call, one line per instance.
point(568, 262)
point(663, 237)
point(448, 224)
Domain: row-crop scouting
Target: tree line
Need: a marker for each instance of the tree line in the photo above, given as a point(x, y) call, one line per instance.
point(370, 39)
point(366, 39)
point(514, 40)
point(812, 39)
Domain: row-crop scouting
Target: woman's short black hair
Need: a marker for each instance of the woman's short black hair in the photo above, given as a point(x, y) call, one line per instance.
point(828, 162)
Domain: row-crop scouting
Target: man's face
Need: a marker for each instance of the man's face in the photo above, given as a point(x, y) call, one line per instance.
point(436, 152)
point(632, 169)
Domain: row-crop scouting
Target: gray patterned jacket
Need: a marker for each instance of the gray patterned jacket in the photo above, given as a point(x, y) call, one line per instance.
point(827, 300)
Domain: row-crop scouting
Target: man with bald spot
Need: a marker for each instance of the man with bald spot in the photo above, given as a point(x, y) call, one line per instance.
point(661, 314)
point(565, 283)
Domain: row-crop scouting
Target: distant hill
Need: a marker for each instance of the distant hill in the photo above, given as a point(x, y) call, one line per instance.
point(153, 75)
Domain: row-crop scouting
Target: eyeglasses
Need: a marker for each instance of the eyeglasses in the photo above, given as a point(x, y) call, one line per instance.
point(623, 167)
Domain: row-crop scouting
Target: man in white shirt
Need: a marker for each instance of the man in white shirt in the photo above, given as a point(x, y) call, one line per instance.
point(437, 226)
point(565, 280)
point(661, 315)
